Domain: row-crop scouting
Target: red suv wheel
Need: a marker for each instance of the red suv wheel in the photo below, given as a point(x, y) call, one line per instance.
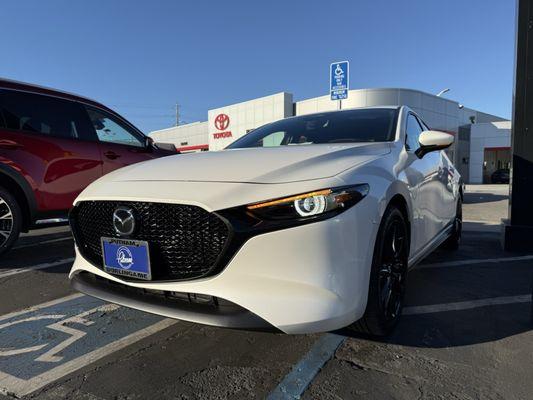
point(10, 220)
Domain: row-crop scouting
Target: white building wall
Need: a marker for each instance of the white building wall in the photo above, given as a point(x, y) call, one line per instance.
point(183, 136)
point(467, 115)
point(482, 136)
point(246, 116)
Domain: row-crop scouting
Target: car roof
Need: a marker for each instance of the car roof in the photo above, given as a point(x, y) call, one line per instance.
point(29, 87)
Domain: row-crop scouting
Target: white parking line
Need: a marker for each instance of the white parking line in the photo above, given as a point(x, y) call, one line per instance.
point(475, 261)
point(466, 305)
point(23, 246)
point(14, 271)
point(40, 306)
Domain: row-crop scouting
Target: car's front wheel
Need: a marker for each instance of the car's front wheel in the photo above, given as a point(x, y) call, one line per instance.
point(388, 276)
point(10, 220)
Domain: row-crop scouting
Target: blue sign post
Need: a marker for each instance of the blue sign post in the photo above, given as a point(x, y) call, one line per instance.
point(339, 80)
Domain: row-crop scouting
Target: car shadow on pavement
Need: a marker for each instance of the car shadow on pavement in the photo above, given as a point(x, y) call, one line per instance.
point(471, 323)
point(458, 328)
point(461, 328)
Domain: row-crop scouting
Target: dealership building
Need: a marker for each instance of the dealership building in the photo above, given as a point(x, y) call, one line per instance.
point(482, 140)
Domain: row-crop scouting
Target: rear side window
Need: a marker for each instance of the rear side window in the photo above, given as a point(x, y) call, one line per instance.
point(44, 115)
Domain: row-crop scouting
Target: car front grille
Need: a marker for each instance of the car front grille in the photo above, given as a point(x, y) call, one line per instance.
point(185, 241)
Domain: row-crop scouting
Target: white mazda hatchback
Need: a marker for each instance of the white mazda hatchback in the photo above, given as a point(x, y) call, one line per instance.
point(303, 225)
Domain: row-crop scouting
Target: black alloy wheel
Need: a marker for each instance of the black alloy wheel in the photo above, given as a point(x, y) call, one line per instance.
point(393, 270)
point(388, 277)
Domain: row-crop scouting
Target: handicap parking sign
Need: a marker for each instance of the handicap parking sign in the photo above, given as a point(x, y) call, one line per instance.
point(338, 80)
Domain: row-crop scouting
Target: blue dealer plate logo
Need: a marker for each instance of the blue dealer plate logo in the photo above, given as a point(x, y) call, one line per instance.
point(125, 257)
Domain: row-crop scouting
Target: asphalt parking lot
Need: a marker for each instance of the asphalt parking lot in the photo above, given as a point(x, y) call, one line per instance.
point(466, 334)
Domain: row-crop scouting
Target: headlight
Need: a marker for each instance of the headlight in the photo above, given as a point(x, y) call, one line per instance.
point(311, 204)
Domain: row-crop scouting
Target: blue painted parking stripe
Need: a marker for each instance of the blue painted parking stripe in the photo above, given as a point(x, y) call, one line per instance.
point(295, 383)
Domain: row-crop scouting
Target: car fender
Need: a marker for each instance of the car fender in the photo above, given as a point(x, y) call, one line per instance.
point(15, 178)
point(384, 186)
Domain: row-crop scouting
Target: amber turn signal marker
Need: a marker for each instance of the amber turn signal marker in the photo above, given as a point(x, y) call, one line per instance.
point(324, 192)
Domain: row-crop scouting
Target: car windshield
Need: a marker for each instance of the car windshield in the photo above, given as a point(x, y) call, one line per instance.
point(350, 126)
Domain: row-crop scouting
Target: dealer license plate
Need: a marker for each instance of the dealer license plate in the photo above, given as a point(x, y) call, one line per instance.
point(129, 258)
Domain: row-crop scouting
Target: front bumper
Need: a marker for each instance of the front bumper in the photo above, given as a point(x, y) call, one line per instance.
point(305, 279)
point(158, 302)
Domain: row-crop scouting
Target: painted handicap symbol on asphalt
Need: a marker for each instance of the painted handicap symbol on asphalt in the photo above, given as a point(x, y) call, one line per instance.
point(6, 352)
point(43, 343)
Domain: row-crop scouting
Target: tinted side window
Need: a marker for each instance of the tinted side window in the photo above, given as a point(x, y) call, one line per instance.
point(413, 132)
point(44, 115)
point(111, 130)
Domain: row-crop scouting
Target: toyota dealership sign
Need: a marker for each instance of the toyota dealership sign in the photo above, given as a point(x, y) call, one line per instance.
point(227, 124)
point(222, 125)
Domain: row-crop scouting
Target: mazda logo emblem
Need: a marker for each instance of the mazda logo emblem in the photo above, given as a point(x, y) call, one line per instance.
point(124, 221)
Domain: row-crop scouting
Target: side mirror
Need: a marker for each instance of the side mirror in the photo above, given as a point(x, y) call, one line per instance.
point(149, 143)
point(433, 141)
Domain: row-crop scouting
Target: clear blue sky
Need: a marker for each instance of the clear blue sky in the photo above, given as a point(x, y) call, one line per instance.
point(141, 57)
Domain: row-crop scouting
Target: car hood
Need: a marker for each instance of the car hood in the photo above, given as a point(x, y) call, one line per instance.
point(255, 165)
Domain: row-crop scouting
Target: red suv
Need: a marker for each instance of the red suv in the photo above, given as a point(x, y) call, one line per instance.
point(52, 145)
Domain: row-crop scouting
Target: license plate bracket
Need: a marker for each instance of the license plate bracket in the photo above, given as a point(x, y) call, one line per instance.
point(127, 258)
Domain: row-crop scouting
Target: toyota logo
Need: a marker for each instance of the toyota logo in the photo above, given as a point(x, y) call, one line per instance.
point(221, 122)
point(124, 221)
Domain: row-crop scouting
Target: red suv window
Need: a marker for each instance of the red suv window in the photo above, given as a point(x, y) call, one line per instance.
point(45, 115)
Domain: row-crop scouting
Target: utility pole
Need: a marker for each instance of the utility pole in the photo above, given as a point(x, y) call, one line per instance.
point(177, 114)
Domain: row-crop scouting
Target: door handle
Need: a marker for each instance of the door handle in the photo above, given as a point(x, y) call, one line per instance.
point(9, 144)
point(111, 155)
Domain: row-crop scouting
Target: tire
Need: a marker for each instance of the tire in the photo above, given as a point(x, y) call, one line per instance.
point(388, 276)
point(453, 242)
point(10, 220)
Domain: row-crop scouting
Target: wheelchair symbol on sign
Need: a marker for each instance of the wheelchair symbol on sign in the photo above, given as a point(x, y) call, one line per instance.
point(63, 325)
point(338, 70)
